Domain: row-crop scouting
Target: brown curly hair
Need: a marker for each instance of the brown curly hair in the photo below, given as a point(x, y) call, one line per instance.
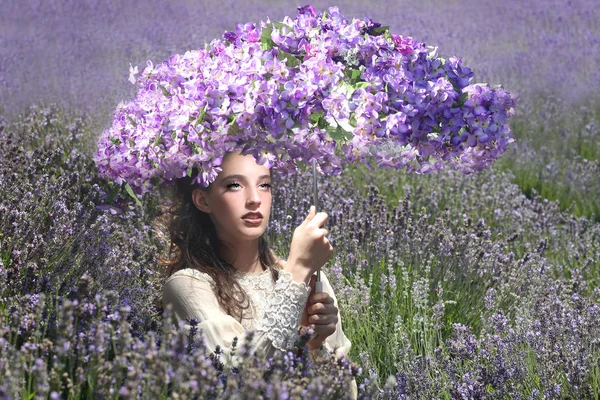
point(194, 244)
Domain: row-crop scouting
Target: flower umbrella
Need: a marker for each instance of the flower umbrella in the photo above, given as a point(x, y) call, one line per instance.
point(317, 88)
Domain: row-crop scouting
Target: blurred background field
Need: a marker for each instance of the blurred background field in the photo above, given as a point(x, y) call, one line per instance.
point(482, 286)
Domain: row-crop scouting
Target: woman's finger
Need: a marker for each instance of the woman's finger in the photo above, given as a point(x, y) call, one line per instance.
point(310, 216)
point(319, 219)
point(322, 309)
point(323, 319)
point(324, 330)
point(328, 310)
point(322, 297)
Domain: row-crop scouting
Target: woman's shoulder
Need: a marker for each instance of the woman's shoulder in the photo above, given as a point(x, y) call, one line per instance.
point(189, 273)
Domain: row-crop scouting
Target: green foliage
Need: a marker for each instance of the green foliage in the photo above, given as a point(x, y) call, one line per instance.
point(557, 154)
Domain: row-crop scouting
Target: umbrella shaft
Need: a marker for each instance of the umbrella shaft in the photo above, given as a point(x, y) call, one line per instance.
point(316, 200)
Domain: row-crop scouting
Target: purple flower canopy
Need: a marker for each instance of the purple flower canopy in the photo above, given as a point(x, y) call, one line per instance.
point(315, 87)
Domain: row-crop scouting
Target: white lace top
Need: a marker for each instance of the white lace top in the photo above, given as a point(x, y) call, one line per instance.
point(275, 311)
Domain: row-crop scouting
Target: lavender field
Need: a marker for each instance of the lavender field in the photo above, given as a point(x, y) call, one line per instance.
point(450, 286)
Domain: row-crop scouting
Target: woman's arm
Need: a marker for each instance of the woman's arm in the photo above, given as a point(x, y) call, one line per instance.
point(338, 340)
point(190, 292)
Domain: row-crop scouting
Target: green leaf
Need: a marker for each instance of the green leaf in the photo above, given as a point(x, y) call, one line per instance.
point(165, 91)
point(234, 128)
point(322, 123)
point(352, 120)
point(387, 35)
point(132, 121)
point(291, 60)
point(461, 100)
point(381, 30)
point(130, 192)
point(267, 46)
point(348, 72)
point(189, 172)
point(316, 116)
point(355, 76)
point(201, 116)
point(111, 197)
point(301, 164)
point(158, 138)
point(338, 134)
point(115, 140)
point(266, 43)
point(280, 25)
point(363, 85)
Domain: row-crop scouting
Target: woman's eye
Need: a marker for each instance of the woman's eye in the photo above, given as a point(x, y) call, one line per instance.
point(233, 185)
point(236, 186)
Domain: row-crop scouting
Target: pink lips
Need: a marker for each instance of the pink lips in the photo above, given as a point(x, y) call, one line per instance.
point(253, 218)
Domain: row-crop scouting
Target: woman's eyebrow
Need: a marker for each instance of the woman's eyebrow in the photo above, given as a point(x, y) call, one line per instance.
point(243, 177)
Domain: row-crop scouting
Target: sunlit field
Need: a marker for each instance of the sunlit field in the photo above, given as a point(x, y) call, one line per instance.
point(450, 286)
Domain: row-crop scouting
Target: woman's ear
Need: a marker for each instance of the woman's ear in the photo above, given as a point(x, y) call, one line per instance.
point(199, 199)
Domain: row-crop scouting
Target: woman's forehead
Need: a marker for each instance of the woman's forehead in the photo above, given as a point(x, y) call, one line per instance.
point(236, 163)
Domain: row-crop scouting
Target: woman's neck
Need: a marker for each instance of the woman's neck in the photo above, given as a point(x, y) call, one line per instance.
point(246, 256)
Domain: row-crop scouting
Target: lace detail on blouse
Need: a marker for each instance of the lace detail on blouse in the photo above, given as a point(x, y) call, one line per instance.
point(276, 306)
point(257, 287)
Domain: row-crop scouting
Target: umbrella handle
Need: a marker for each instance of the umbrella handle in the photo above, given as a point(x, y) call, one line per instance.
point(318, 286)
point(318, 289)
point(318, 283)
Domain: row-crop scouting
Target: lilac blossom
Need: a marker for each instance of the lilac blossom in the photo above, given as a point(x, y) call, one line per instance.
point(298, 90)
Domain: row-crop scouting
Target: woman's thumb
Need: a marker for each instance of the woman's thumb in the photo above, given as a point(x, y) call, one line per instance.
point(311, 214)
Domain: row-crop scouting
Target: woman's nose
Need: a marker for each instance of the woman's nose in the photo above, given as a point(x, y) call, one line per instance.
point(253, 197)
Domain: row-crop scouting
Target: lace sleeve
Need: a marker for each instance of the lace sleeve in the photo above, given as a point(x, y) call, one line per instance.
point(191, 294)
point(283, 309)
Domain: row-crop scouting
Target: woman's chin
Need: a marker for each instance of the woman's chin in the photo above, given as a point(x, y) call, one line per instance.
point(250, 233)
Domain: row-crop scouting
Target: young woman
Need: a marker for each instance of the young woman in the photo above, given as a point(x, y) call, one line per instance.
point(223, 272)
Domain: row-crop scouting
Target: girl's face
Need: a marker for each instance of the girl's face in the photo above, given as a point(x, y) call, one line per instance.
point(239, 200)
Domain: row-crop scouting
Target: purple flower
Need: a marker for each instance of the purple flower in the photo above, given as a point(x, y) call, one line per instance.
point(314, 87)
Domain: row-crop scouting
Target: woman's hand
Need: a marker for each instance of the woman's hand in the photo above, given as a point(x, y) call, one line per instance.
point(310, 249)
point(321, 314)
